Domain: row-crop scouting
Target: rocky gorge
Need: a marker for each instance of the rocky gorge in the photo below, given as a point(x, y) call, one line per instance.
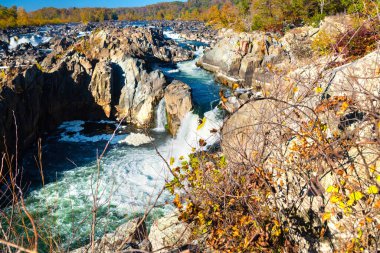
point(107, 75)
point(103, 76)
point(298, 124)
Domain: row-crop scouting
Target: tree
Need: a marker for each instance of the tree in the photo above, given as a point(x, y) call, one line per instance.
point(22, 17)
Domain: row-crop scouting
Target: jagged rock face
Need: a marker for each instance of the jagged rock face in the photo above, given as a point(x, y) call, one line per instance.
point(98, 78)
point(20, 105)
point(250, 58)
point(101, 86)
point(141, 91)
point(177, 103)
point(168, 233)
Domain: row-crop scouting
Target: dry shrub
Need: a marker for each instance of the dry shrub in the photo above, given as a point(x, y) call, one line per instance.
point(358, 42)
point(360, 39)
point(293, 176)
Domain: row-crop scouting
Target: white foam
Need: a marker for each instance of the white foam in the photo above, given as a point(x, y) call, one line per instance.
point(189, 135)
point(172, 35)
point(173, 71)
point(72, 132)
point(77, 137)
point(82, 34)
point(72, 126)
point(35, 40)
point(137, 139)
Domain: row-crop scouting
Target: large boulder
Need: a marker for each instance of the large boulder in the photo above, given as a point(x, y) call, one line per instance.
point(178, 103)
point(141, 92)
point(168, 233)
point(129, 236)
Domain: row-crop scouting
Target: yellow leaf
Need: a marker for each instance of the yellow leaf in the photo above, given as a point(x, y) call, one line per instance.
point(202, 124)
point(295, 89)
point(332, 188)
point(355, 196)
point(373, 189)
point(318, 90)
point(360, 233)
point(235, 86)
point(344, 106)
point(372, 168)
point(171, 161)
point(334, 199)
point(326, 216)
point(378, 178)
point(177, 201)
point(350, 202)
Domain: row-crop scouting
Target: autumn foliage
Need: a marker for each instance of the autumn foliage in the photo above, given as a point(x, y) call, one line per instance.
point(302, 174)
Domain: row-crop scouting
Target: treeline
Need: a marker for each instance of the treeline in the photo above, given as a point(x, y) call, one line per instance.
point(244, 15)
point(17, 16)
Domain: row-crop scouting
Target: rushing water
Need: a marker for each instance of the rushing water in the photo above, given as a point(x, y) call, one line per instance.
point(131, 172)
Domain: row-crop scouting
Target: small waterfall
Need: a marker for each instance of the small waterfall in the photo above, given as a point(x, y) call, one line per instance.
point(189, 135)
point(161, 120)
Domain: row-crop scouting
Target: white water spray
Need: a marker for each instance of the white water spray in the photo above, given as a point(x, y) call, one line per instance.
point(161, 120)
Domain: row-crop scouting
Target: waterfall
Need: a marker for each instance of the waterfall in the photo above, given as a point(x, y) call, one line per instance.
point(189, 135)
point(161, 120)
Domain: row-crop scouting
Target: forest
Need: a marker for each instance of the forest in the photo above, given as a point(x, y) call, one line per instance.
point(241, 15)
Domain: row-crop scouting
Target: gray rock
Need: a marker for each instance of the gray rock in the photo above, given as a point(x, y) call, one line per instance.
point(168, 233)
point(102, 86)
point(177, 103)
point(141, 92)
point(127, 236)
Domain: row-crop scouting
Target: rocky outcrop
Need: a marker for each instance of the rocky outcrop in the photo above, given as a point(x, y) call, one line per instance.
point(251, 59)
point(129, 236)
point(177, 103)
point(243, 58)
point(144, 43)
point(102, 86)
point(169, 233)
point(105, 76)
point(141, 92)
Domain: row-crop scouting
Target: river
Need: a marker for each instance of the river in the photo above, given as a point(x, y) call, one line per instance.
point(131, 173)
